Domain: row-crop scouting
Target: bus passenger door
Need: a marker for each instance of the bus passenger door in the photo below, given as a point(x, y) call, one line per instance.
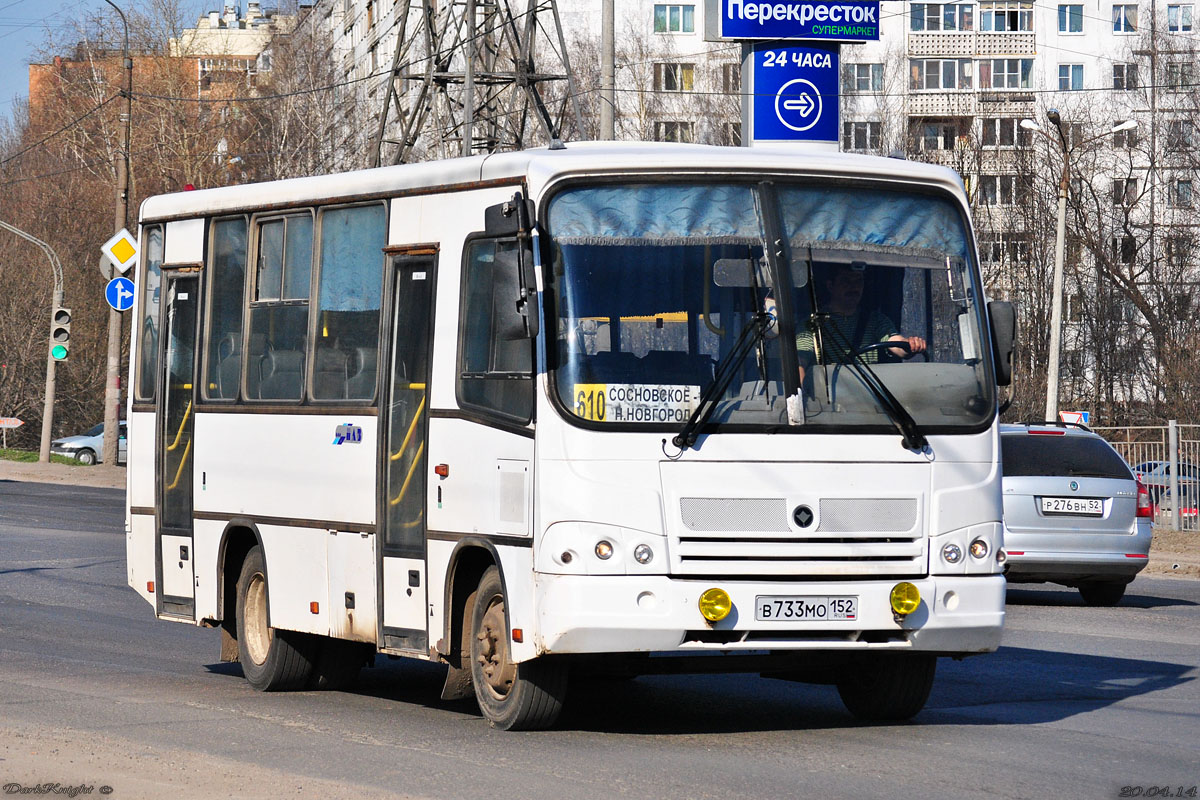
point(404, 485)
point(176, 575)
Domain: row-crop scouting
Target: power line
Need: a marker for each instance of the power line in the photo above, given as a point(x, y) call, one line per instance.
point(75, 121)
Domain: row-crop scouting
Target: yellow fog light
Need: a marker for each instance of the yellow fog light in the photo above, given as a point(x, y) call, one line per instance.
point(715, 604)
point(905, 598)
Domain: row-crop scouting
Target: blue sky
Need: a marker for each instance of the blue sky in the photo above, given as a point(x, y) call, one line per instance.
point(23, 27)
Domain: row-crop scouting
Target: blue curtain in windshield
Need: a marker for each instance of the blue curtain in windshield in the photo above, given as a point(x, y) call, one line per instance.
point(657, 214)
point(904, 222)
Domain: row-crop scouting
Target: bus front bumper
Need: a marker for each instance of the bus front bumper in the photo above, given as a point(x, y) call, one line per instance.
point(625, 614)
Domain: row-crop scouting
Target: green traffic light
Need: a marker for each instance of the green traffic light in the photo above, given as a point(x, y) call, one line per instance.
point(58, 352)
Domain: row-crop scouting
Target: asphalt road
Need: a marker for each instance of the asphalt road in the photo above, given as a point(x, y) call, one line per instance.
point(94, 692)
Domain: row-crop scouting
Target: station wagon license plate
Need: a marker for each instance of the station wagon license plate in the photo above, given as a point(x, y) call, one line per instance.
point(1080, 506)
point(805, 608)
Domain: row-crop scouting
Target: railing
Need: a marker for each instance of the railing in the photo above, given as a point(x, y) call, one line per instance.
point(416, 461)
point(1166, 459)
point(187, 449)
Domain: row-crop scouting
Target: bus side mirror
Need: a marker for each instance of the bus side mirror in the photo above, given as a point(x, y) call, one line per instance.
point(1003, 317)
point(514, 293)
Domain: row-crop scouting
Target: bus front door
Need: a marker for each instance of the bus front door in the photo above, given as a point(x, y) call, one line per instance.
point(404, 454)
point(176, 574)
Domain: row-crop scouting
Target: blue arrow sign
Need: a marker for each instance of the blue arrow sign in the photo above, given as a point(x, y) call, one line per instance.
point(795, 88)
point(119, 294)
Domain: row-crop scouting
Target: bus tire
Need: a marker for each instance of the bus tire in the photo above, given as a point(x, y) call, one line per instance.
point(272, 660)
point(1101, 593)
point(512, 697)
point(887, 687)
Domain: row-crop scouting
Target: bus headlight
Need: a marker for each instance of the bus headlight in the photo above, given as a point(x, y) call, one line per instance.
point(952, 553)
point(604, 550)
point(715, 604)
point(643, 554)
point(905, 598)
point(979, 549)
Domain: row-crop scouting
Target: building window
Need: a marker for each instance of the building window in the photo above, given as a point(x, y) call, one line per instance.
point(1179, 76)
point(1179, 251)
point(1124, 249)
point(1125, 76)
point(1002, 190)
point(1124, 18)
point(861, 135)
point(935, 134)
point(671, 18)
point(1181, 193)
point(1070, 77)
point(674, 131)
point(731, 78)
point(1004, 249)
point(1004, 132)
point(732, 131)
point(1124, 191)
point(674, 77)
point(1005, 73)
point(370, 14)
point(941, 16)
point(1006, 17)
point(940, 73)
point(862, 78)
point(1179, 134)
point(1179, 19)
point(1124, 139)
point(1070, 19)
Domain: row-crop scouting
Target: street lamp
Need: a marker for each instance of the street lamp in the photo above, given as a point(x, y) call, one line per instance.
point(112, 381)
point(1052, 368)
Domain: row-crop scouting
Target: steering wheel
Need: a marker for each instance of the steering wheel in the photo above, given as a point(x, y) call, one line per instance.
point(887, 346)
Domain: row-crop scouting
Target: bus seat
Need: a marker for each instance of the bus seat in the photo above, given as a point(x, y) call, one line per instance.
point(229, 368)
point(283, 375)
point(609, 367)
point(255, 355)
point(361, 383)
point(329, 374)
point(670, 367)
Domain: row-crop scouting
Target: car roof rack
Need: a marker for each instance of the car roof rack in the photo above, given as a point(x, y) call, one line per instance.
point(1058, 424)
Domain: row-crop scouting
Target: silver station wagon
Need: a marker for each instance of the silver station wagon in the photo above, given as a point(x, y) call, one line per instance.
point(1074, 513)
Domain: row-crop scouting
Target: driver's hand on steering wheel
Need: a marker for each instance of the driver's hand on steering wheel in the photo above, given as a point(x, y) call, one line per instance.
point(915, 345)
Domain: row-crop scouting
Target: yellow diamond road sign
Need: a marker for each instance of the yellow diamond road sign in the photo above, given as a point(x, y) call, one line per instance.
point(121, 250)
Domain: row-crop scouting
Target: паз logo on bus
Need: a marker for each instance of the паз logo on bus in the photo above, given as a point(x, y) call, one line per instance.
point(347, 433)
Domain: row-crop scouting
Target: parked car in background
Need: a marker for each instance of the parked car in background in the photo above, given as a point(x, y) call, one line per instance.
point(1156, 477)
point(86, 447)
point(1074, 513)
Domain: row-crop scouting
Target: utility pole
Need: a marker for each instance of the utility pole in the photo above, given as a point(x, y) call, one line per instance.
point(608, 83)
point(112, 380)
point(48, 404)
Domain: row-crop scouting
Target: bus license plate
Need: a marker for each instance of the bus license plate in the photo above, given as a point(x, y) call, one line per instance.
point(1088, 507)
point(805, 608)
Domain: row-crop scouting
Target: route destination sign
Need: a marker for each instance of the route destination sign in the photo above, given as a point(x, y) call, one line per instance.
point(826, 20)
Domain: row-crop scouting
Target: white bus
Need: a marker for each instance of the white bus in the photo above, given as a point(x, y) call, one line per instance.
point(540, 414)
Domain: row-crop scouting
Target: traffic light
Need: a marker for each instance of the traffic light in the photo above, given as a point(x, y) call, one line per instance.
point(60, 334)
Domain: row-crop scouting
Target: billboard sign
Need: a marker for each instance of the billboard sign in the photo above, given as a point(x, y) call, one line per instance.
point(825, 20)
point(794, 92)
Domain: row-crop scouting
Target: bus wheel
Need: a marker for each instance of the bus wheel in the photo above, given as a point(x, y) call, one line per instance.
point(888, 688)
point(525, 696)
point(272, 660)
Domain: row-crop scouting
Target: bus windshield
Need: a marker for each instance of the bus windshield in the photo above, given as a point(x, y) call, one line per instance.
point(654, 283)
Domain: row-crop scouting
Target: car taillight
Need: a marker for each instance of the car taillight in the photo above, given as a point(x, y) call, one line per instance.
point(1144, 508)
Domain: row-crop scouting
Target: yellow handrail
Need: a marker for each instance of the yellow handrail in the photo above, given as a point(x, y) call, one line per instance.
point(408, 478)
point(187, 412)
point(411, 428)
point(182, 461)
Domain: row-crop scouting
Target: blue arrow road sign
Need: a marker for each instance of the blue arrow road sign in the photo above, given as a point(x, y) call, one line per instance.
point(795, 87)
point(119, 294)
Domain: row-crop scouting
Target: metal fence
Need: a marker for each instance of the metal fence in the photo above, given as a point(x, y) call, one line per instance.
point(1166, 459)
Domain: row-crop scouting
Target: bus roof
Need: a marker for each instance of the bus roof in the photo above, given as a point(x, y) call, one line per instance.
point(539, 167)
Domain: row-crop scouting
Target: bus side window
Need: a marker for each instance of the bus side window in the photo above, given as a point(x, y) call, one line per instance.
point(279, 308)
point(495, 357)
point(227, 282)
point(151, 284)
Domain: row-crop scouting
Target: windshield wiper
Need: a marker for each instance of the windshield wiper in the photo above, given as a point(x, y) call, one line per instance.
point(912, 437)
point(750, 336)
